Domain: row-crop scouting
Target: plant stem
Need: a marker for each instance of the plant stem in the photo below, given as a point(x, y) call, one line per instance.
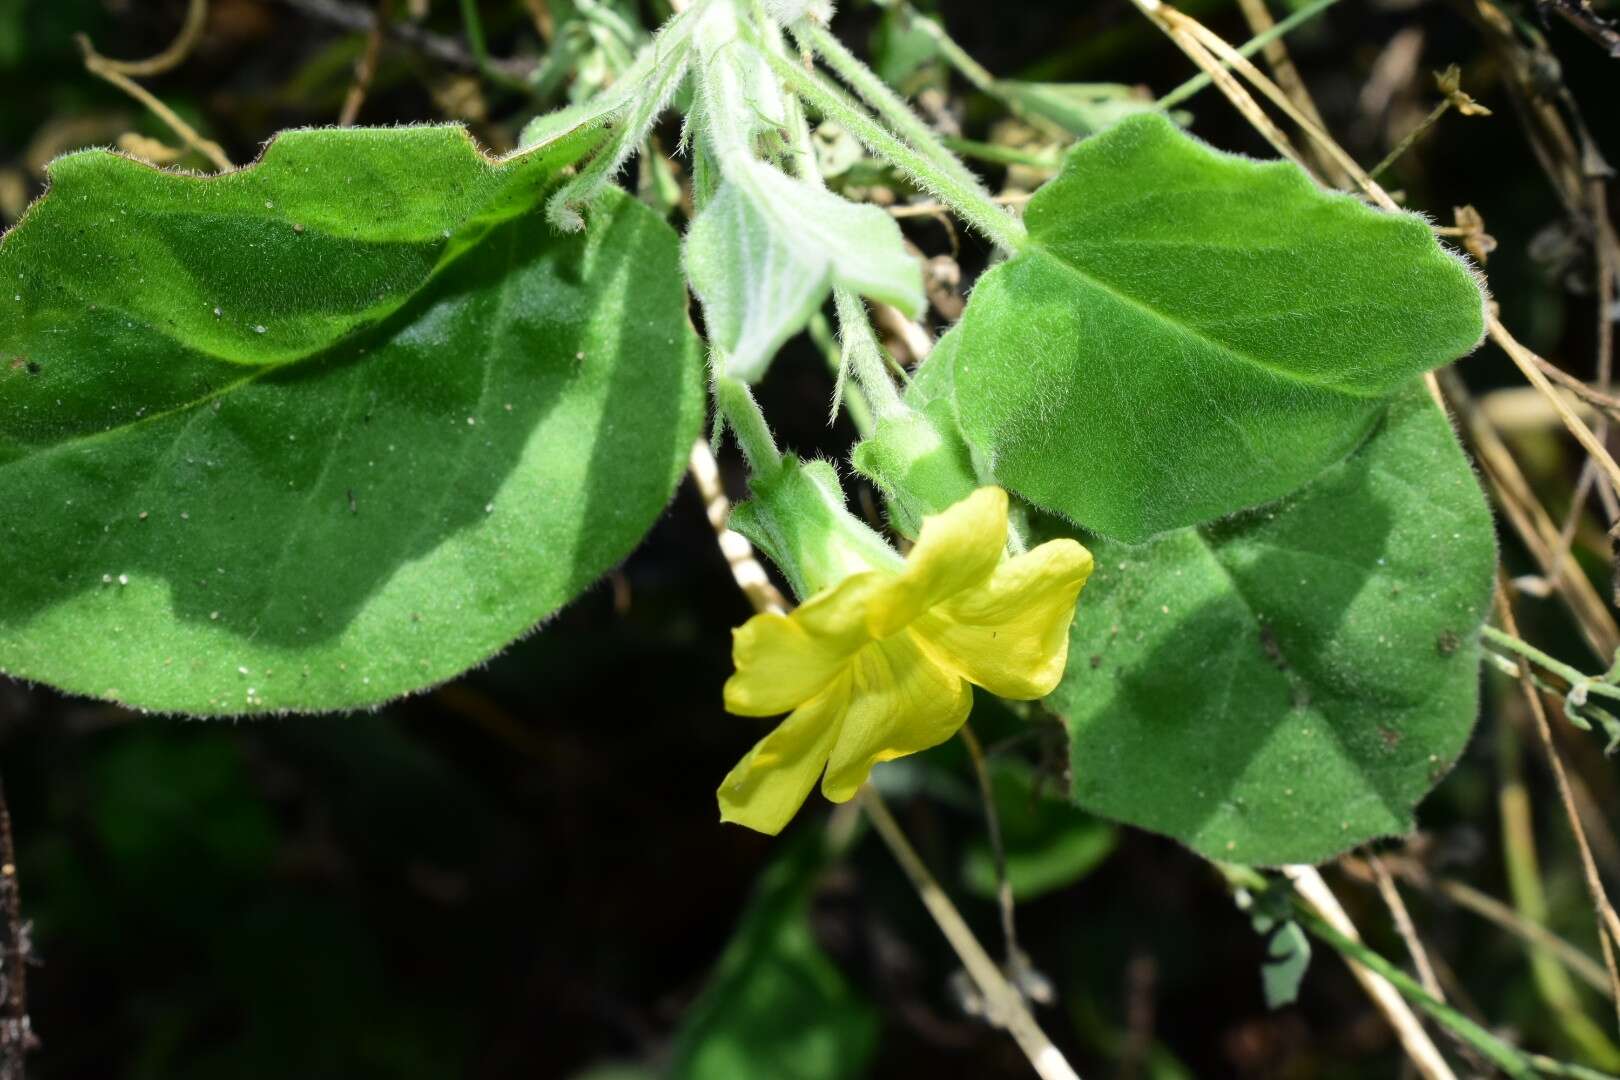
point(1004, 155)
point(876, 93)
point(1542, 660)
point(863, 356)
point(968, 201)
point(1510, 1060)
point(1318, 900)
point(736, 403)
point(1006, 1005)
point(998, 849)
point(1259, 41)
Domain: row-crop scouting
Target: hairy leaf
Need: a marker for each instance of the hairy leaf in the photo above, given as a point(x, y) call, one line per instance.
point(328, 429)
point(1190, 333)
point(1285, 685)
point(766, 251)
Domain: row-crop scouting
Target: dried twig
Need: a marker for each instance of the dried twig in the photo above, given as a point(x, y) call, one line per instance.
point(1532, 523)
point(739, 553)
point(365, 68)
point(1005, 1005)
point(1608, 921)
point(1404, 925)
point(1288, 77)
point(119, 72)
point(1408, 1028)
point(171, 57)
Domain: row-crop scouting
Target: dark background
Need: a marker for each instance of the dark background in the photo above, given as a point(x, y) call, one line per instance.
point(521, 874)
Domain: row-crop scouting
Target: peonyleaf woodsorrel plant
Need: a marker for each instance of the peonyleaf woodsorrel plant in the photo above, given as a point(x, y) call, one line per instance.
point(337, 426)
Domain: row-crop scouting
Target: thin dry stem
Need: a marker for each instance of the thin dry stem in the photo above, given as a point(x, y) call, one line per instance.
point(1608, 921)
point(1487, 907)
point(208, 148)
point(1532, 523)
point(172, 56)
point(1005, 1005)
point(365, 68)
point(1408, 1028)
point(1282, 66)
point(1402, 918)
point(998, 851)
point(118, 72)
point(746, 570)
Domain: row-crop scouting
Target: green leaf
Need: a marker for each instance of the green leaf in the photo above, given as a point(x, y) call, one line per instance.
point(1288, 950)
point(1289, 684)
point(1050, 844)
point(1190, 333)
point(776, 1005)
point(767, 249)
point(435, 441)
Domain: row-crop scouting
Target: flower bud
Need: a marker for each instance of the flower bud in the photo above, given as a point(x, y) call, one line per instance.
point(798, 518)
point(920, 462)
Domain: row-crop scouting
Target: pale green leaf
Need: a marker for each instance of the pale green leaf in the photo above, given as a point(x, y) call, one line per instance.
point(1288, 950)
point(767, 249)
point(1286, 685)
point(451, 422)
point(1190, 333)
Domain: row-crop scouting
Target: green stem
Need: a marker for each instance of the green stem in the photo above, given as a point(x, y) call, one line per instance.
point(1004, 155)
point(850, 398)
point(864, 356)
point(956, 56)
point(1259, 41)
point(876, 93)
point(736, 403)
point(1411, 137)
point(857, 350)
point(968, 201)
point(1557, 667)
point(1510, 1060)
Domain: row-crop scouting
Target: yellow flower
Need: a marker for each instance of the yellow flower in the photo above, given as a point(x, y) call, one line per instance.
point(878, 666)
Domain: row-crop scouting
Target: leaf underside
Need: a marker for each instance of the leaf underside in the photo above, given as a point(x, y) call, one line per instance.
point(329, 429)
point(1285, 685)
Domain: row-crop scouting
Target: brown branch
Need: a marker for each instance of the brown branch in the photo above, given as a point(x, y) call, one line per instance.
point(365, 68)
point(171, 57)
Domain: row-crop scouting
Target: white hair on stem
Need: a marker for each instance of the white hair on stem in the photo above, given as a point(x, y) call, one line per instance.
point(788, 12)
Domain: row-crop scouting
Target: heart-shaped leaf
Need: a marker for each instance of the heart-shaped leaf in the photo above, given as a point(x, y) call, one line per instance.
point(1283, 686)
point(1189, 333)
point(329, 429)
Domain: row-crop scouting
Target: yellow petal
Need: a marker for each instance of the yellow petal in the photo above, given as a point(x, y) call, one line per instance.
point(1011, 634)
point(782, 661)
point(901, 702)
point(769, 785)
point(956, 549)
